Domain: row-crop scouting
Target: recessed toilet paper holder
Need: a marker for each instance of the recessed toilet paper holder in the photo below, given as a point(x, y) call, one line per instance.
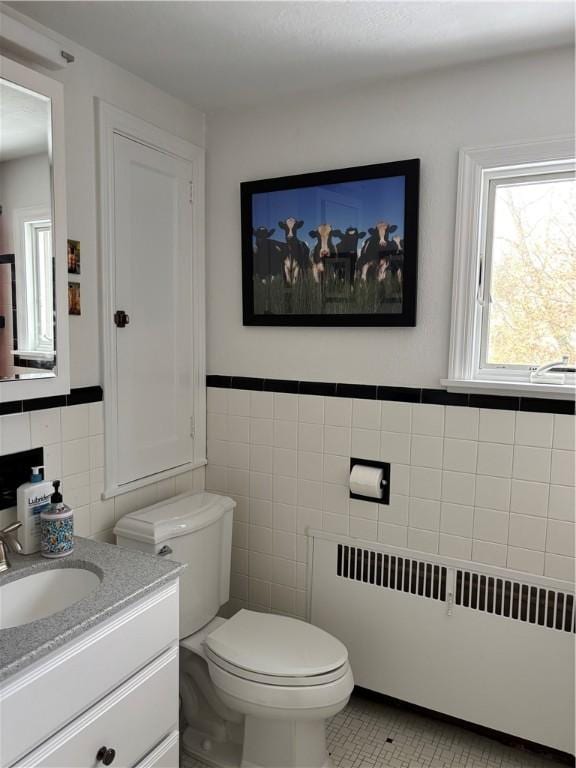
point(385, 485)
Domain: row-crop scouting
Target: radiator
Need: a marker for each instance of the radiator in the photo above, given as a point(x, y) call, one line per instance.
point(486, 645)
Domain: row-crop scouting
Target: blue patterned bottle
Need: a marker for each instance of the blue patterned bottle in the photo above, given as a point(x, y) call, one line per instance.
point(56, 527)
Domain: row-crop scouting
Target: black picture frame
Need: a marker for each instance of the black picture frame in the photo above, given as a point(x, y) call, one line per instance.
point(405, 317)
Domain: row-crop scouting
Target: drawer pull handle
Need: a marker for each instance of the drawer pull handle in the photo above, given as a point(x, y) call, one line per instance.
point(106, 755)
point(166, 550)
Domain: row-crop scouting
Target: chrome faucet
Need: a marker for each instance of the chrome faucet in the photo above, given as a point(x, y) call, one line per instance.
point(8, 543)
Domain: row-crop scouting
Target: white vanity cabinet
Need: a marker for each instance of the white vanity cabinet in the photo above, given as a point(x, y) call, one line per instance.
point(110, 697)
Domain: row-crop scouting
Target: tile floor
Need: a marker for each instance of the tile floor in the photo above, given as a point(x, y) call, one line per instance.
point(374, 734)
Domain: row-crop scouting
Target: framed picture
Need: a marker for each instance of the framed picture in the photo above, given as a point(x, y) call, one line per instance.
point(73, 257)
point(74, 305)
point(337, 248)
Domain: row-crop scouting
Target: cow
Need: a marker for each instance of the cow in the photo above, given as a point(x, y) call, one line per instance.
point(376, 252)
point(397, 260)
point(268, 254)
point(348, 245)
point(323, 249)
point(295, 252)
point(348, 240)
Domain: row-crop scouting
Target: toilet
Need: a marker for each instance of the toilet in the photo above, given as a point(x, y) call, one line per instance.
point(256, 689)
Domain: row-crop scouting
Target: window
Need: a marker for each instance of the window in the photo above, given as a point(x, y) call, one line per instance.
point(34, 284)
point(514, 299)
point(39, 288)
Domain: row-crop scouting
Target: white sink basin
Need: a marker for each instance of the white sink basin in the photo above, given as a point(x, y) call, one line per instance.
point(42, 594)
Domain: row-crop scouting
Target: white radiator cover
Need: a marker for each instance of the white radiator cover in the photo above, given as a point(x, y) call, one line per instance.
point(444, 650)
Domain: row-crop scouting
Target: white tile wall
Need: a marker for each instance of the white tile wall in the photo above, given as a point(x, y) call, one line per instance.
point(529, 498)
point(73, 443)
point(462, 423)
point(488, 486)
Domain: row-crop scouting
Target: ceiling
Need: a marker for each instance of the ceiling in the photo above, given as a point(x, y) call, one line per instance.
point(220, 54)
point(24, 122)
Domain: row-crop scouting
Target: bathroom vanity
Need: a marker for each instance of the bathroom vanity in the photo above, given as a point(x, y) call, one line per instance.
point(89, 660)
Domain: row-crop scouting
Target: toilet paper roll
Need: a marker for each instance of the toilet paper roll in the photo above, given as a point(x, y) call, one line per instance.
point(366, 481)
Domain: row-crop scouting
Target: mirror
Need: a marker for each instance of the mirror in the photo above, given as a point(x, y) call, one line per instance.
point(27, 273)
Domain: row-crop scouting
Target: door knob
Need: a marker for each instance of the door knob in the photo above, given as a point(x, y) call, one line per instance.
point(121, 318)
point(105, 755)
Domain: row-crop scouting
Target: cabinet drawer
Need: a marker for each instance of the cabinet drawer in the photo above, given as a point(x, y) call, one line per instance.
point(131, 720)
point(165, 755)
point(66, 683)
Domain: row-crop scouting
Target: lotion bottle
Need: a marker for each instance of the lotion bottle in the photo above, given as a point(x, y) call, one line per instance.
point(57, 527)
point(32, 499)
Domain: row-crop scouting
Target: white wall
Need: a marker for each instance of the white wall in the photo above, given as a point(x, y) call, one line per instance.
point(429, 117)
point(72, 437)
point(24, 183)
point(88, 78)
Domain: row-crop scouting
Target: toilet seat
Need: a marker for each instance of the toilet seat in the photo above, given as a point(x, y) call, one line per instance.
point(276, 650)
point(284, 680)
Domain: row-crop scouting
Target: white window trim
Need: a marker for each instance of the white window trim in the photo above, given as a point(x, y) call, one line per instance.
point(475, 166)
point(24, 220)
point(41, 344)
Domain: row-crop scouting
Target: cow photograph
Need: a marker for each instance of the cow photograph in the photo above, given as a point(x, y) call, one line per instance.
point(332, 248)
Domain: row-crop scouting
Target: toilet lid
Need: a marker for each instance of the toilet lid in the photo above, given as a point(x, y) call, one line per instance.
point(276, 646)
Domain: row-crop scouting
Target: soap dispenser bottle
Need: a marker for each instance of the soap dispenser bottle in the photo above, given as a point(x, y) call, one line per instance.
point(32, 499)
point(57, 527)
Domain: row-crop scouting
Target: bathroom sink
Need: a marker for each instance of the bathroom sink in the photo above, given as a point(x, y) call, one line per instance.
point(41, 594)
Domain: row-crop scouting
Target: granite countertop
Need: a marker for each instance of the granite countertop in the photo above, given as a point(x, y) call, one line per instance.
point(126, 576)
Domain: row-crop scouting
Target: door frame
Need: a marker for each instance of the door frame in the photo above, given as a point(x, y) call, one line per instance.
point(111, 121)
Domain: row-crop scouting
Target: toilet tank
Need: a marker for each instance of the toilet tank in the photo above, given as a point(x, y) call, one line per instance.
point(195, 529)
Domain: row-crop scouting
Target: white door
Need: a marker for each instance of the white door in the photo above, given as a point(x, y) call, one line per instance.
point(153, 263)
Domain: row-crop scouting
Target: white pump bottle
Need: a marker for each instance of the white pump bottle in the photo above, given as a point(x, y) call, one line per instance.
point(32, 498)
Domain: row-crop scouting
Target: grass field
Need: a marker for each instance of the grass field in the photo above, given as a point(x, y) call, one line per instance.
point(331, 297)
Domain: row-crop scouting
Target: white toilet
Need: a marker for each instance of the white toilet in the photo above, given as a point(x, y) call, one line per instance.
point(256, 689)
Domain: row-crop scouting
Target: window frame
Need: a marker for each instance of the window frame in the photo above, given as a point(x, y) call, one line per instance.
point(480, 171)
point(35, 345)
point(26, 223)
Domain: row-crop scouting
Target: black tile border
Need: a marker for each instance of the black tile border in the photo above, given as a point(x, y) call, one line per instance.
point(400, 394)
point(395, 394)
point(281, 385)
point(77, 396)
point(41, 403)
point(443, 397)
point(7, 408)
point(537, 405)
point(82, 395)
point(317, 388)
point(498, 402)
point(218, 381)
point(364, 391)
point(245, 382)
